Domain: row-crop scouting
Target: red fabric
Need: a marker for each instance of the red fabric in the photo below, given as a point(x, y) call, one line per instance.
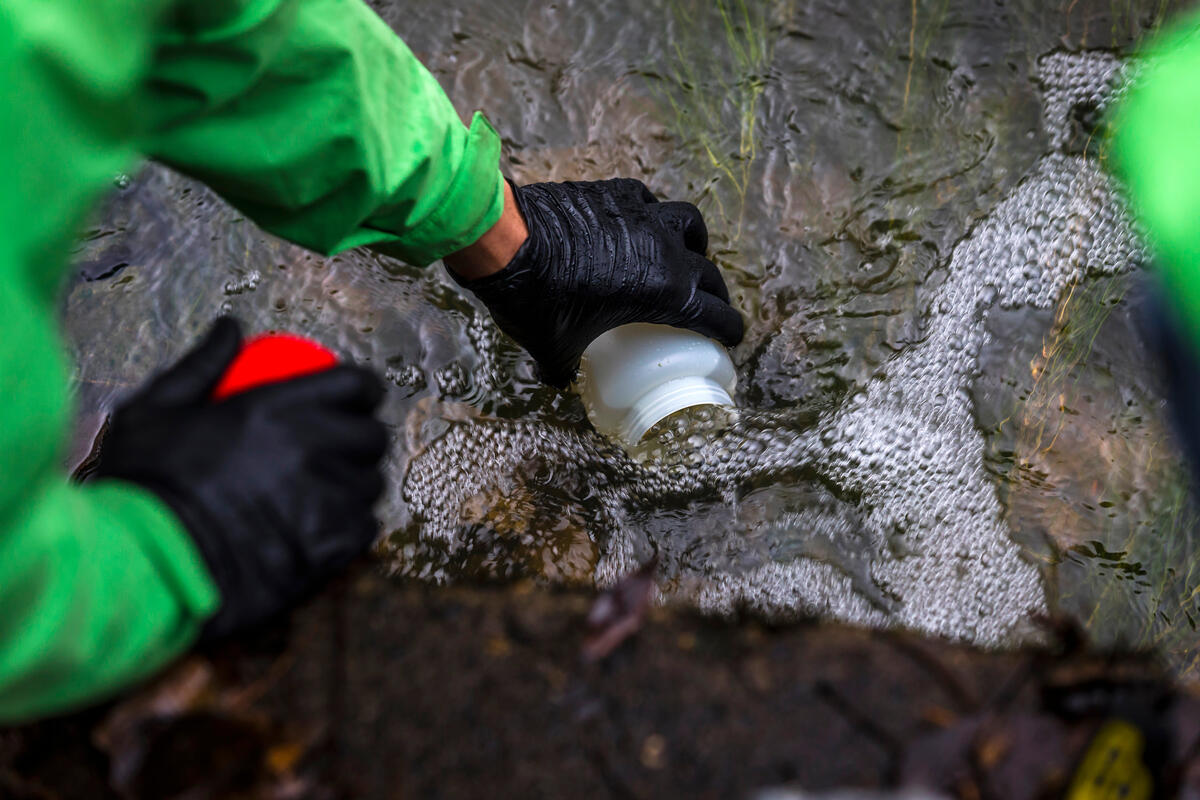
point(273, 357)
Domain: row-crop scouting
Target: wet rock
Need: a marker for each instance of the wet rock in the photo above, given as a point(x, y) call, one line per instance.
point(106, 265)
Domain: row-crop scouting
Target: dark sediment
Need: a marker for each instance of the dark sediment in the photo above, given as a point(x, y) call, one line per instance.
point(382, 690)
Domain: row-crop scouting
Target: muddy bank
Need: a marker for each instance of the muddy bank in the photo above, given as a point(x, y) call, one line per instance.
point(382, 690)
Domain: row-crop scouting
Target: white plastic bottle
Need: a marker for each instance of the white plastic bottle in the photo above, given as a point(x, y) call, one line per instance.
point(634, 376)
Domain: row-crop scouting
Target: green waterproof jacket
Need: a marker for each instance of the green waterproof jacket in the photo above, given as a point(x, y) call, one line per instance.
point(1156, 145)
point(314, 119)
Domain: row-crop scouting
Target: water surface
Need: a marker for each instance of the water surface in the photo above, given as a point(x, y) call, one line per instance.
point(949, 419)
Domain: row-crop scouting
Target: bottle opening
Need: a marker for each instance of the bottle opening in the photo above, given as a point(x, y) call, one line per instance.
point(666, 399)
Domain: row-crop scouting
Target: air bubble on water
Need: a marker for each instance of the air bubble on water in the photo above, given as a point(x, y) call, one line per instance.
point(452, 380)
point(408, 376)
point(988, 296)
point(246, 283)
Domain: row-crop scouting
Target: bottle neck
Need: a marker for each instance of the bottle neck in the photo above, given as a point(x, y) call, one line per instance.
point(668, 398)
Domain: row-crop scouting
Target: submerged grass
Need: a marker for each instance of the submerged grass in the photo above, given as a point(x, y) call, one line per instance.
point(1144, 588)
point(1136, 580)
point(1137, 577)
point(713, 93)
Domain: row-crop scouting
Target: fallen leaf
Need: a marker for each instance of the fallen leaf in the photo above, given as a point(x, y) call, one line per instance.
point(189, 735)
point(653, 752)
point(992, 749)
point(940, 716)
point(284, 756)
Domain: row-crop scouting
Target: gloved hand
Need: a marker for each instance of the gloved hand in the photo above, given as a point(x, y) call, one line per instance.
point(275, 485)
point(602, 254)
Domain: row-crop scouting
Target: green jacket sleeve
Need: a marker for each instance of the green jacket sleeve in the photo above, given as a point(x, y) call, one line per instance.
point(312, 117)
point(316, 120)
point(98, 585)
point(1156, 144)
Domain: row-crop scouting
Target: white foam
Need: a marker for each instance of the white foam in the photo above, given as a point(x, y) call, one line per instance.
point(904, 453)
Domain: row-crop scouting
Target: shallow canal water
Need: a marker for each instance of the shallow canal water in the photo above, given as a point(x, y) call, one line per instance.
point(948, 418)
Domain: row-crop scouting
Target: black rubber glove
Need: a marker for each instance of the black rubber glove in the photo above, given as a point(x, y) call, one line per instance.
point(275, 485)
point(602, 254)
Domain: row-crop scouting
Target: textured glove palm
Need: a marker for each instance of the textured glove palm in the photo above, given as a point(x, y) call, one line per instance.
point(275, 485)
point(599, 255)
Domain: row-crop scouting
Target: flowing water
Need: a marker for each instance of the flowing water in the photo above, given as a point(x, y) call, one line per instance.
point(948, 420)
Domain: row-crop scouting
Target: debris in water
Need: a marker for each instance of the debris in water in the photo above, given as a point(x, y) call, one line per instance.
point(619, 611)
point(188, 735)
point(106, 265)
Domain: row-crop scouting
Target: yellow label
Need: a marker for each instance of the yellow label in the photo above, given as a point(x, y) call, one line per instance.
point(1113, 768)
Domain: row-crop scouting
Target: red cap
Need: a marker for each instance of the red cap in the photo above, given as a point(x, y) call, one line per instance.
point(273, 357)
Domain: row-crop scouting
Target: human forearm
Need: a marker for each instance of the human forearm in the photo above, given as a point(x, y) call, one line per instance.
point(495, 249)
point(1155, 128)
point(316, 120)
point(100, 587)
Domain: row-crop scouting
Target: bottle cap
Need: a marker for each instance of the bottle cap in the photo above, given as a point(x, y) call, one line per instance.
point(273, 357)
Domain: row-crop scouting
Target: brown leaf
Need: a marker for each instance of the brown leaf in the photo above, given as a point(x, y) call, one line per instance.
point(991, 749)
point(121, 734)
point(283, 756)
point(939, 716)
point(187, 734)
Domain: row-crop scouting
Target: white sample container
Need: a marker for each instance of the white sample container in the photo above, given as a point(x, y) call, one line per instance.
point(634, 376)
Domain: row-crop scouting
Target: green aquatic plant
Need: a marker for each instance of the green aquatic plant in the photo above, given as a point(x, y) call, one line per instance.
point(714, 92)
point(1127, 20)
point(1136, 578)
point(955, 134)
point(1146, 594)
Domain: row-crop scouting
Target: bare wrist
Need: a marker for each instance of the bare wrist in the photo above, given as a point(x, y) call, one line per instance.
point(495, 249)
